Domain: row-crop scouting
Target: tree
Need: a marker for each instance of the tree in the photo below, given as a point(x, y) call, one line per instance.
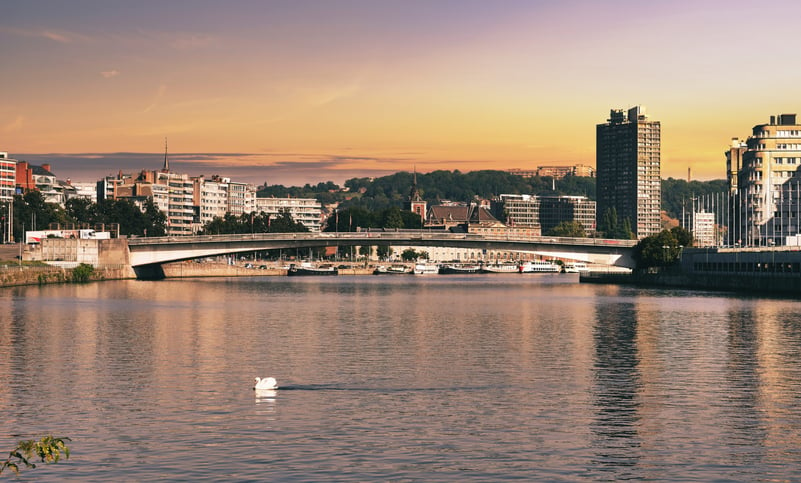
point(660, 250)
point(253, 223)
point(48, 449)
point(409, 255)
point(392, 218)
point(572, 229)
point(611, 227)
point(383, 252)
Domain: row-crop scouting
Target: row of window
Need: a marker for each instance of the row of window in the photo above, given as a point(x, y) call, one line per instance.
point(747, 267)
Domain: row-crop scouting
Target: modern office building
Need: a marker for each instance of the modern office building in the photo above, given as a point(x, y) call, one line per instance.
point(545, 212)
point(767, 185)
point(555, 210)
point(628, 170)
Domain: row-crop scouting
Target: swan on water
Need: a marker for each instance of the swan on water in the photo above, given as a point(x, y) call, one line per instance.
point(266, 383)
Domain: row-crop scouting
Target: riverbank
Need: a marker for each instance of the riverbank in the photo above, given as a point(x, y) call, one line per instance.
point(13, 275)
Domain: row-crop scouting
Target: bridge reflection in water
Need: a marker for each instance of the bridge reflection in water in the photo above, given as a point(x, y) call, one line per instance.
point(147, 254)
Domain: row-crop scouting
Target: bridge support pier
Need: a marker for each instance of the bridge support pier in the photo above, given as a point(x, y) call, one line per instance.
point(154, 271)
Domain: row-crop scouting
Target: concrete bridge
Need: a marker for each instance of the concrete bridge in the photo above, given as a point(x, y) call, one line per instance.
point(147, 254)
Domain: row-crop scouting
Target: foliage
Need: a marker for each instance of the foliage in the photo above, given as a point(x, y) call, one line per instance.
point(326, 193)
point(611, 227)
point(677, 194)
point(131, 219)
point(82, 273)
point(31, 212)
point(253, 223)
point(393, 190)
point(48, 449)
point(572, 229)
point(354, 218)
point(383, 252)
point(662, 249)
point(410, 255)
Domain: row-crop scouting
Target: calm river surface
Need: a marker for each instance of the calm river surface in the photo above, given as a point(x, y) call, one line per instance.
point(402, 378)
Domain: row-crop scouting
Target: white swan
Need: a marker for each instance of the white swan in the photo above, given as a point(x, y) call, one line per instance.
point(266, 383)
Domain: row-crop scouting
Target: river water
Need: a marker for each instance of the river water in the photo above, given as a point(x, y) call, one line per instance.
point(402, 378)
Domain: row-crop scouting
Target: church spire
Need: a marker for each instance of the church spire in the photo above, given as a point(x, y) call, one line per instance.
point(166, 161)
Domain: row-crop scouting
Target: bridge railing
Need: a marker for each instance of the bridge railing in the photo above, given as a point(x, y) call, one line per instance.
point(400, 236)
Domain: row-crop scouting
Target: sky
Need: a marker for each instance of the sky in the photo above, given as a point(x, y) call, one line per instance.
point(298, 91)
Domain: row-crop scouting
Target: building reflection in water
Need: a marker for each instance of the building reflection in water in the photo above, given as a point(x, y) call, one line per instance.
point(615, 388)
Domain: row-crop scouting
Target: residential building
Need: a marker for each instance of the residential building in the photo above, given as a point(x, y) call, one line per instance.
point(734, 163)
point(559, 172)
point(702, 226)
point(518, 210)
point(555, 171)
point(241, 198)
point(210, 198)
point(307, 211)
point(8, 177)
point(768, 184)
point(628, 170)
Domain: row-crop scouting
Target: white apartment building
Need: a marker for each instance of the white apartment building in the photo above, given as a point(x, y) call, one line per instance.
point(767, 185)
point(179, 203)
point(210, 198)
point(307, 211)
point(702, 226)
point(241, 198)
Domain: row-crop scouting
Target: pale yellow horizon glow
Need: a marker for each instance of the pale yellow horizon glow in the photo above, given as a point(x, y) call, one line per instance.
point(443, 85)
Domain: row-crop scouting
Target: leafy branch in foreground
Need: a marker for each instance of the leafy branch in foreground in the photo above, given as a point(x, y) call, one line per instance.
point(49, 449)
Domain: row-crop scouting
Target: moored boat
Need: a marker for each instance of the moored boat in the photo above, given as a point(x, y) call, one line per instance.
point(392, 270)
point(500, 268)
point(539, 266)
point(576, 267)
point(459, 269)
point(426, 269)
point(307, 268)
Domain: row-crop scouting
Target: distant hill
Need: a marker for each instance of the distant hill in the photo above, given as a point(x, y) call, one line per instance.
point(381, 193)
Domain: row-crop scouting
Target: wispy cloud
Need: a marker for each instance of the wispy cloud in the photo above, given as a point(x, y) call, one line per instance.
point(188, 41)
point(15, 124)
point(108, 74)
point(55, 35)
point(156, 98)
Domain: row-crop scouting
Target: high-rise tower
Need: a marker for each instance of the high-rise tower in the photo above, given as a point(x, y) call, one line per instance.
point(627, 157)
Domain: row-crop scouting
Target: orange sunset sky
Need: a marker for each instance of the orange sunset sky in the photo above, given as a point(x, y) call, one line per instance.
point(305, 91)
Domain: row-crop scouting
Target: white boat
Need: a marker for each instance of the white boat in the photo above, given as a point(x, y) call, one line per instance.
point(392, 270)
point(307, 268)
point(539, 266)
point(576, 267)
point(426, 269)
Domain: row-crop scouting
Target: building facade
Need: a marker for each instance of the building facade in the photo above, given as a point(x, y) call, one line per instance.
point(307, 211)
point(8, 181)
point(767, 185)
point(555, 210)
point(628, 162)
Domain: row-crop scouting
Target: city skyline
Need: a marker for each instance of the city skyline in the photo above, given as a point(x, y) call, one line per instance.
point(303, 92)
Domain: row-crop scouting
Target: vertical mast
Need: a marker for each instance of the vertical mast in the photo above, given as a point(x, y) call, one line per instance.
point(166, 161)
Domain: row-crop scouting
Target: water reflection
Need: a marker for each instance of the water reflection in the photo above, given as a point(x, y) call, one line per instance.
point(615, 389)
